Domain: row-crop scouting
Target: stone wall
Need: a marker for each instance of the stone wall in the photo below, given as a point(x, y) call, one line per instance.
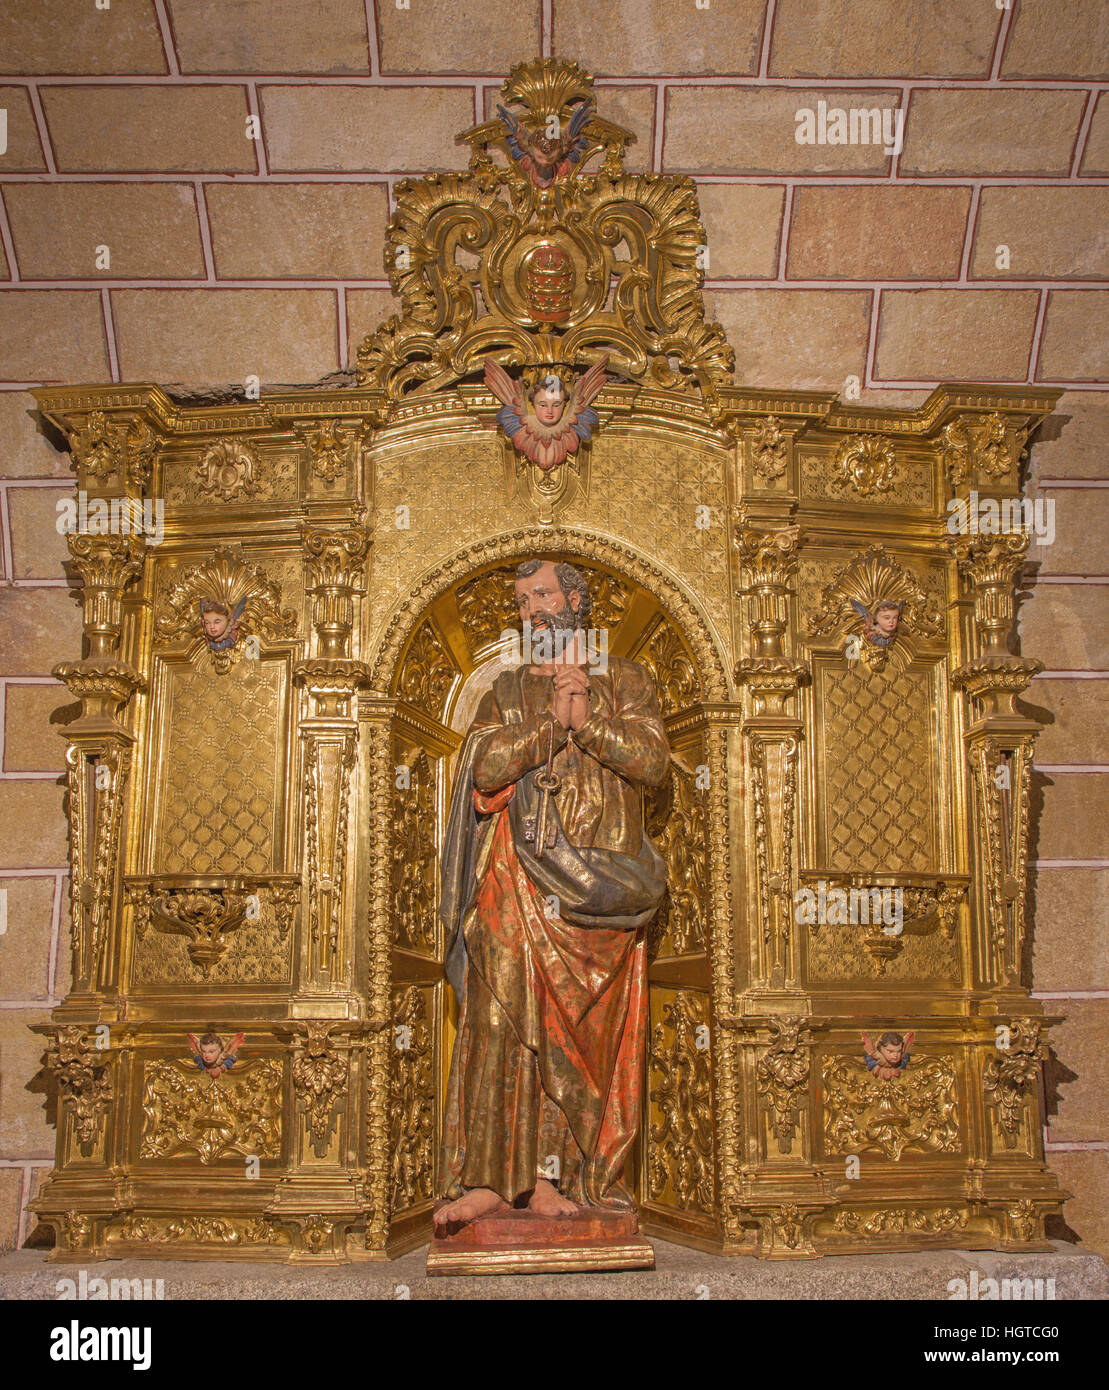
point(131, 128)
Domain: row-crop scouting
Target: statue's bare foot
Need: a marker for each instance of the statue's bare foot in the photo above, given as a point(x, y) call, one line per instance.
point(546, 1200)
point(479, 1201)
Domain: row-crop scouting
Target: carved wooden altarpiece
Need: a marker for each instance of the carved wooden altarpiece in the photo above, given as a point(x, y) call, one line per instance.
point(256, 798)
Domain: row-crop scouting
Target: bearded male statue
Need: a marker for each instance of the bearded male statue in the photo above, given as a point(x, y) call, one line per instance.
point(546, 898)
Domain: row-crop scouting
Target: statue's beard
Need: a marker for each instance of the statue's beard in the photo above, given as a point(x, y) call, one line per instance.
point(565, 621)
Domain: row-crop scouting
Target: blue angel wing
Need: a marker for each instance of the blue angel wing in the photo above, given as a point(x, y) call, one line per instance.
point(512, 125)
point(859, 608)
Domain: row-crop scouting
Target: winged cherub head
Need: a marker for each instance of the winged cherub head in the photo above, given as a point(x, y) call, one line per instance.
point(548, 400)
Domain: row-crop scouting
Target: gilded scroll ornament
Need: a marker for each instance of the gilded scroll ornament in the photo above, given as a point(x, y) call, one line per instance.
point(428, 673)
point(783, 1076)
point(415, 858)
point(769, 450)
point(222, 600)
point(197, 1230)
point(678, 826)
point(1001, 769)
point(676, 678)
point(412, 1100)
point(205, 916)
point(84, 1082)
point(1023, 1220)
point(96, 776)
point(185, 1113)
point(227, 470)
point(319, 1075)
point(104, 448)
point(865, 463)
point(915, 1109)
point(1009, 1080)
point(680, 1136)
point(571, 267)
point(925, 1221)
point(334, 449)
point(986, 445)
point(329, 761)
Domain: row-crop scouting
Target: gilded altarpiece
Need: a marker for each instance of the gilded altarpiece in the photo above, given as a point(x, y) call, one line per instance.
point(273, 695)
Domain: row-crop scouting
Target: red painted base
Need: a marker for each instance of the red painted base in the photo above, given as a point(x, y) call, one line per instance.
point(520, 1242)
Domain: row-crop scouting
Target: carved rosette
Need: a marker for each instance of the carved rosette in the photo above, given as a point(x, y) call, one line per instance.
point(319, 1073)
point(1009, 1079)
point(783, 1077)
point(84, 1080)
point(680, 1135)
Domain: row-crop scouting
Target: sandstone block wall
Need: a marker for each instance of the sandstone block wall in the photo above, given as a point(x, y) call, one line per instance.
point(237, 160)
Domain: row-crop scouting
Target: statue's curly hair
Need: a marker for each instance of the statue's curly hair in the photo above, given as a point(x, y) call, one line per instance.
point(569, 579)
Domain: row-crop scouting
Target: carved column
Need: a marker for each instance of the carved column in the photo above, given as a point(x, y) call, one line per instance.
point(773, 736)
point(335, 557)
point(1000, 744)
point(98, 755)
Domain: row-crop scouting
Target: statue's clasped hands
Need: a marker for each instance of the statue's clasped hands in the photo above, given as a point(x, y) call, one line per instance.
point(571, 696)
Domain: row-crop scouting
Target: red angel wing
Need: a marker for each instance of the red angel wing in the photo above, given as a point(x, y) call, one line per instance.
point(194, 1043)
point(232, 1048)
point(507, 391)
point(909, 1037)
point(589, 386)
point(868, 1046)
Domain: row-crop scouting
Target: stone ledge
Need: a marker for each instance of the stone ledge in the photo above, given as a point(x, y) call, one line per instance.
point(679, 1274)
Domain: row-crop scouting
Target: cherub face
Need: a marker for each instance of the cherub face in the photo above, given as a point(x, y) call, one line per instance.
point(890, 1053)
point(209, 1053)
point(886, 621)
point(215, 624)
point(549, 405)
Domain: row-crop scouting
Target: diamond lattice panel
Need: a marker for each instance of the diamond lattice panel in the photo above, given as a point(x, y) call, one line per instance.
point(879, 770)
point(221, 769)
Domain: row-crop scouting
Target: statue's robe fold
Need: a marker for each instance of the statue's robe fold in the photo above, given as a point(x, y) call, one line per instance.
point(548, 956)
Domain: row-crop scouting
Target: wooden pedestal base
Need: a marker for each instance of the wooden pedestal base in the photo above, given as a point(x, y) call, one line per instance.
point(519, 1242)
